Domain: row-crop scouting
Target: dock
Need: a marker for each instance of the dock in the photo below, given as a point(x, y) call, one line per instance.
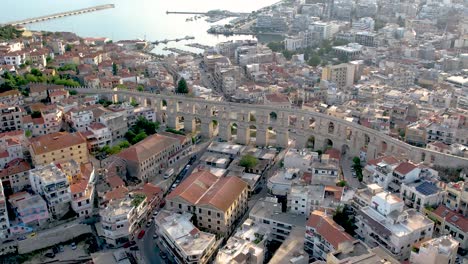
point(59, 15)
point(181, 52)
point(165, 41)
point(199, 46)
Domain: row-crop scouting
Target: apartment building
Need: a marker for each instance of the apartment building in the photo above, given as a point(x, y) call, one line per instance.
point(325, 171)
point(363, 197)
point(456, 197)
point(82, 190)
point(267, 212)
point(98, 136)
point(390, 174)
point(247, 245)
point(52, 184)
point(30, 210)
point(59, 147)
point(280, 183)
point(15, 176)
point(80, 119)
point(440, 250)
point(53, 119)
point(11, 97)
point(323, 235)
point(387, 224)
point(342, 74)
point(185, 242)
point(10, 149)
point(119, 220)
point(153, 155)
point(116, 122)
point(301, 159)
point(216, 202)
point(360, 253)
point(4, 221)
point(11, 118)
point(421, 194)
point(451, 223)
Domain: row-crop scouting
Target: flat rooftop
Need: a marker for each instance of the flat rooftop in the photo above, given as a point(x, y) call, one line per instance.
point(49, 173)
point(184, 234)
point(225, 147)
point(292, 250)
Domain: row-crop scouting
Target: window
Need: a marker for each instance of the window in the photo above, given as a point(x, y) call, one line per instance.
point(461, 236)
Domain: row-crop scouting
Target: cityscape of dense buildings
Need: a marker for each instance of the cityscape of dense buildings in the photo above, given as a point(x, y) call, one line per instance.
point(346, 141)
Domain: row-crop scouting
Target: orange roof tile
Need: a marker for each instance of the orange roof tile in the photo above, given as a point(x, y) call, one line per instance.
point(328, 229)
point(452, 217)
point(194, 187)
point(405, 167)
point(56, 141)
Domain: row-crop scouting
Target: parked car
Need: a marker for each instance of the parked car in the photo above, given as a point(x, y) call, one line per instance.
point(129, 244)
point(134, 248)
point(49, 255)
point(73, 245)
point(21, 238)
point(169, 173)
point(155, 236)
point(141, 234)
point(155, 213)
point(33, 234)
point(149, 223)
point(61, 249)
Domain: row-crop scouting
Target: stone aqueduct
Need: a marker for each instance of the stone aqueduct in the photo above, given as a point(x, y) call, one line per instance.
point(303, 126)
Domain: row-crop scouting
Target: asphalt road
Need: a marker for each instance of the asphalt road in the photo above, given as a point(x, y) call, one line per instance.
point(346, 162)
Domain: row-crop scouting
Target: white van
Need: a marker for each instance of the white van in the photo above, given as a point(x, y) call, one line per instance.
point(168, 173)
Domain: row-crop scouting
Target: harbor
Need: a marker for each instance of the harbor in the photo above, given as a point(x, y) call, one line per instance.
point(59, 15)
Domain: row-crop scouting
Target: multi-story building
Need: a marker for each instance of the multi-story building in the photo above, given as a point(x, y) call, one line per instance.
point(360, 253)
point(15, 176)
point(82, 190)
point(301, 159)
point(325, 171)
point(98, 136)
point(80, 119)
point(390, 173)
point(4, 221)
point(440, 250)
point(303, 199)
point(53, 119)
point(52, 184)
point(30, 210)
point(119, 220)
point(280, 183)
point(185, 242)
point(267, 212)
point(247, 244)
point(271, 23)
point(154, 154)
point(59, 147)
point(11, 97)
point(323, 235)
point(217, 203)
point(342, 74)
point(456, 197)
point(349, 51)
point(387, 224)
point(116, 122)
point(10, 149)
point(363, 197)
point(451, 223)
point(11, 118)
point(323, 29)
point(421, 194)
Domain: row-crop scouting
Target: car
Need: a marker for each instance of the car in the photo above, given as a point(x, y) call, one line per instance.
point(21, 238)
point(173, 186)
point(61, 249)
point(129, 244)
point(155, 236)
point(73, 245)
point(149, 222)
point(49, 255)
point(134, 248)
point(33, 234)
point(155, 213)
point(141, 234)
point(163, 256)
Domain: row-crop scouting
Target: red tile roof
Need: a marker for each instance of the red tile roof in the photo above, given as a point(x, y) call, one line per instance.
point(328, 229)
point(405, 167)
point(147, 148)
point(223, 193)
point(194, 187)
point(452, 217)
point(115, 181)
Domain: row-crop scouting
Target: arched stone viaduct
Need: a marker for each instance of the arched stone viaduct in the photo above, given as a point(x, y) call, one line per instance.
point(304, 127)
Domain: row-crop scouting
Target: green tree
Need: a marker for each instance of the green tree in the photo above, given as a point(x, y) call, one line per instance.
point(182, 86)
point(276, 46)
point(28, 133)
point(73, 92)
point(114, 68)
point(139, 137)
point(140, 88)
point(314, 60)
point(36, 72)
point(68, 47)
point(342, 183)
point(9, 32)
point(248, 161)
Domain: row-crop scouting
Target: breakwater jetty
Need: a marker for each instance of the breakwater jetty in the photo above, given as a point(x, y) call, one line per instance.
point(59, 15)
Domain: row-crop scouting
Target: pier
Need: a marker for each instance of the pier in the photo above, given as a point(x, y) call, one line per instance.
point(170, 40)
point(59, 15)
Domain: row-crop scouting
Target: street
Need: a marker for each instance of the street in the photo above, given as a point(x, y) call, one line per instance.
point(346, 163)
